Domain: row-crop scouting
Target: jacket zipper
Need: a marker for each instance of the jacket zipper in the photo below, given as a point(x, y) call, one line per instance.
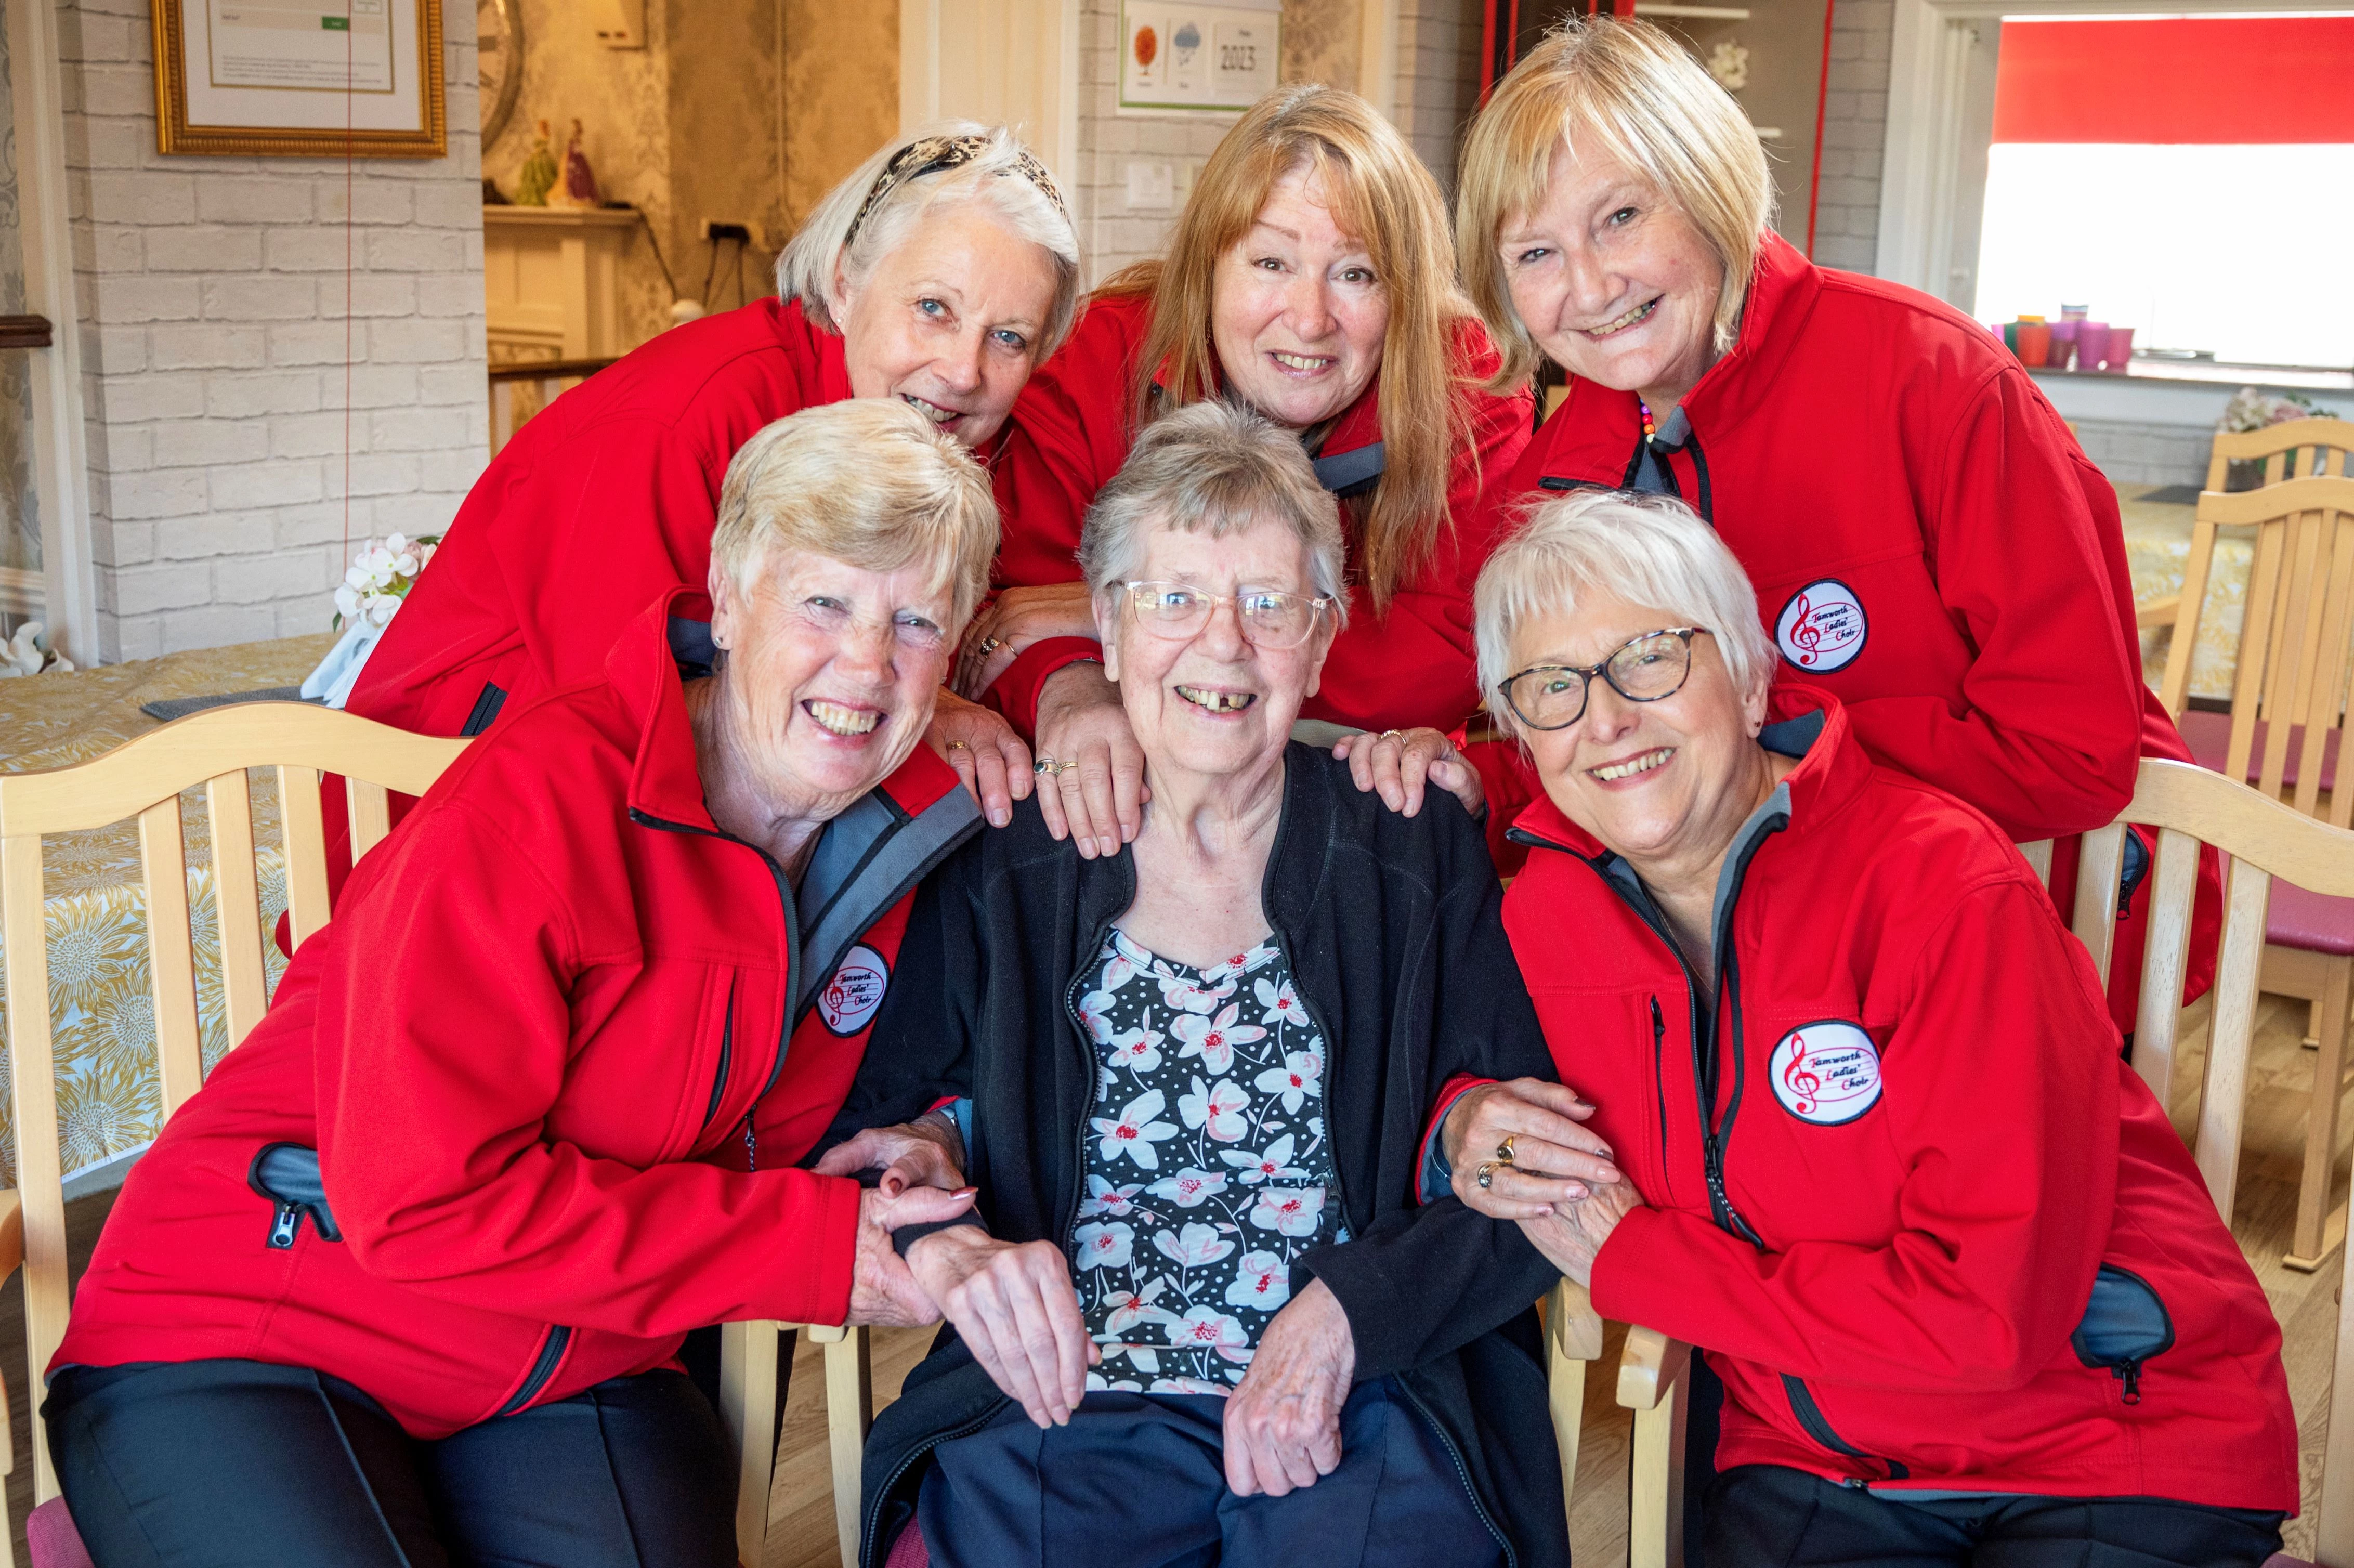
point(727, 1052)
point(1658, 1088)
point(1810, 1416)
point(551, 1351)
point(866, 1542)
point(1332, 1082)
point(1462, 1473)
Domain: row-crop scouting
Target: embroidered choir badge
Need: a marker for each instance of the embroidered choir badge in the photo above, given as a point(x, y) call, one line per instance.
point(848, 1000)
point(1826, 1072)
point(1822, 627)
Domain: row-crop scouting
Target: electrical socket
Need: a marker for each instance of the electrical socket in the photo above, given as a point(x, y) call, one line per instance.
point(742, 233)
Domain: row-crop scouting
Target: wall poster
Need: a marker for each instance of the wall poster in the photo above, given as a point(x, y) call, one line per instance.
point(300, 78)
point(1176, 57)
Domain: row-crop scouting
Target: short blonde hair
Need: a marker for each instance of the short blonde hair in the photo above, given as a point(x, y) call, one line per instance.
point(1212, 468)
point(1647, 550)
point(1625, 89)
point(867, 481)
point(1382, 195)
point(1003, 177)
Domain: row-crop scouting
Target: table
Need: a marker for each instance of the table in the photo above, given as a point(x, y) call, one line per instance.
point(100, 1005)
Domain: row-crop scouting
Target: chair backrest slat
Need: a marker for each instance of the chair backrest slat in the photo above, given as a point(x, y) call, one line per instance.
point(2322, 705)
point(2333, 1534)
point(2238, 961)
point(2294, 449)
point(143, 778)
point(2165, 959)
point(2037, 853)
point(171, 960)
point(2295, 643)
point(23, 918)
point(371, 813)
point(2098, 868)
point(304, 831)
point(2257, 642)
point(237, 903)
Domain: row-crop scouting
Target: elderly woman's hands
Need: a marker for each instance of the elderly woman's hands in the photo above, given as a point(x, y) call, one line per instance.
point(1283, 1424)
point(1009, 625)
point(926, 1152)
point(1098, 794)
point(1014, 1305)
point(1571, 1235)
point(1397, 762)
point(1555, 1160)
point(881, 1288)
point(984, 751)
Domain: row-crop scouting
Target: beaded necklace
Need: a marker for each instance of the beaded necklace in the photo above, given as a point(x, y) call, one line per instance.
point(1649, 430)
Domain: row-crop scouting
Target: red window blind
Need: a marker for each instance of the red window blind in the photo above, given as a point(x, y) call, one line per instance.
point(2201, 80)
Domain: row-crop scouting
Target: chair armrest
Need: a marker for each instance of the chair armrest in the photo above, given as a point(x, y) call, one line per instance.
point(1573, 1328)
point(1650, 1368)
point(12, 1231)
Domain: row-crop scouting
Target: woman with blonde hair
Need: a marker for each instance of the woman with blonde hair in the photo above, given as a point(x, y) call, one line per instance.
point(1927, 540)
point(1310, 277)
point(941, 272)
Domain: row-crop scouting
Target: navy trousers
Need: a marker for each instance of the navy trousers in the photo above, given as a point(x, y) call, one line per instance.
point(1766, 1516)
point(221, 1464)
point(1140, 1479)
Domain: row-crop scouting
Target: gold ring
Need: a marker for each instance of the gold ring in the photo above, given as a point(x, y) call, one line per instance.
point(1485, 1175)
point(1389, 735)
point(1504, 1149)
point(990, 644)
point(1065, 767)
point(955, 746)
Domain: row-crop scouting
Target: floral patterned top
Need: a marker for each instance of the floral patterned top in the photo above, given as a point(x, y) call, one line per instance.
point(1184, 1245)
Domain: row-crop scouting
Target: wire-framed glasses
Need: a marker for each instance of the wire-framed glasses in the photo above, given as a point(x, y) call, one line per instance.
point(1645, 670)
point(1269, 617)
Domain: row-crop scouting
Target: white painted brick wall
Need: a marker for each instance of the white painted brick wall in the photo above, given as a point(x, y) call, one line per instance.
point(227, 465)
point(1438, 80)
point(1855, 133)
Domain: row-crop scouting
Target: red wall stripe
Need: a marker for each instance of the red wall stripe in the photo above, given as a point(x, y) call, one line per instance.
point(2204, 80)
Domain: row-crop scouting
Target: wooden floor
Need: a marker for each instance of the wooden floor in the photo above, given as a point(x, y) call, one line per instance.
point(800, 1529)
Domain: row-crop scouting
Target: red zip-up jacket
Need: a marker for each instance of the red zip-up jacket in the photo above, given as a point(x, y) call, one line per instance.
point(1071, 431)
point(1919, 1151)
point(542, 1054)
point(1927, 541)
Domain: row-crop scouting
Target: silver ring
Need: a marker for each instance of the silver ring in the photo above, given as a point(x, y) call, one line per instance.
point(1045, 764)
point(1485, 1176)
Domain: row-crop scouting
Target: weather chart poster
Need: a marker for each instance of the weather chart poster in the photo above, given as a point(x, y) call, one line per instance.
point(1218, 57)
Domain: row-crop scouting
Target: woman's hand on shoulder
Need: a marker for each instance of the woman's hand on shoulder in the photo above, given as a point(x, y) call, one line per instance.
point(1397, 763)
point(1007, 627)
point(1095, 794)
point(1014, 1305)
point(882, 1290)
point(1574, 1234)
point(984, 751)
point(1283, 1424)
point(1554, 1159)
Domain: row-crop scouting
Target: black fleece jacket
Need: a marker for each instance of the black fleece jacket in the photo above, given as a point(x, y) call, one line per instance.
point(1395, 937)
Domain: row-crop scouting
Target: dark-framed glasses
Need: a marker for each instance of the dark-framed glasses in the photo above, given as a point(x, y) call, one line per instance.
point(1645, 670)
point(1269, 617)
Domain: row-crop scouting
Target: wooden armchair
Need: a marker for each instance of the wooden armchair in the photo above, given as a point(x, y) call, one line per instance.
point(143, 780)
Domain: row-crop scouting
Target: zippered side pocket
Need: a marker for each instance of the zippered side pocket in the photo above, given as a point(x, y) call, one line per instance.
point(2124, 1324)
point(542, 1367)
point(1819, 1427)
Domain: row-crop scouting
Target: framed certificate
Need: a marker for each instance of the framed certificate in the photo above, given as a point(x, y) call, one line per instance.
point(1183, 57)
point(299, 79)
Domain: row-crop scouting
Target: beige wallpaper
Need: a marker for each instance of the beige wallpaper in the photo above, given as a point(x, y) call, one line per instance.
point(1322, 42)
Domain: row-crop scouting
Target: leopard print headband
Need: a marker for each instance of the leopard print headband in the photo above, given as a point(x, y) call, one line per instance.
point(931, 155)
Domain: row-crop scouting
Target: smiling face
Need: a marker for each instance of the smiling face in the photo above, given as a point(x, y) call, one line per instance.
point(830, 676)
point(1297, 313)
point(1215, 703)
point(1613, 280)
point(1661, 782)
point(949, 320)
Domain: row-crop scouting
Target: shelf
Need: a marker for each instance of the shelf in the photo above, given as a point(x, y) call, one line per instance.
point(1769, 132)
point(1702, 12)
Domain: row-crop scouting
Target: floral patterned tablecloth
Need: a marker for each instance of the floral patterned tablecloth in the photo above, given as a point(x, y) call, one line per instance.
point(101, 1007)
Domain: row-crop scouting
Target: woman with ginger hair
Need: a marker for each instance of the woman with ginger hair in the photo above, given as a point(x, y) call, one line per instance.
point(1310, 278)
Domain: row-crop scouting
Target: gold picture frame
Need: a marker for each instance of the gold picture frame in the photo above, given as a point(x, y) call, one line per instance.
point(298, 118)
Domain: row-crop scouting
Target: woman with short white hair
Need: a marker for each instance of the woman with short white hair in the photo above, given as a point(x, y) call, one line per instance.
point(1202, 1314)
point(407, 1280)
point(1927, 538)
point(942, 273)
point(1869, 1144)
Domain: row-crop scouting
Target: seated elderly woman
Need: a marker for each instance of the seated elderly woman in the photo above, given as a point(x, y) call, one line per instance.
point(406, 1282)
point(1201, 1317)
point(1875, 1148)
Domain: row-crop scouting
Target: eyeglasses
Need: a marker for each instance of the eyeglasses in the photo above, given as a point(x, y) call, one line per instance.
point(1648, 669)
point(1268, 618)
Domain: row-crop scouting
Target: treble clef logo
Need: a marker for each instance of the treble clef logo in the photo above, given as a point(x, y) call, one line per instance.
point(1803, 1084)
point(1804, 632)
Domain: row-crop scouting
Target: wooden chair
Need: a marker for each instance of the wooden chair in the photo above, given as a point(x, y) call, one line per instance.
point(2284, 735)
point(143, 780)
point(2189, 806)
point(2291, 449)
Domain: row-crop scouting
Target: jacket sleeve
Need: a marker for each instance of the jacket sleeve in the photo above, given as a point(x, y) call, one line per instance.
point(2000, 1093)
point(1423, 1280)
point(444, 1041)
point(2047, 741)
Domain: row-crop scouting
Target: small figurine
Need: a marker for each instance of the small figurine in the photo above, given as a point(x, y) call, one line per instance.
point(579, 186)
point(537, 175)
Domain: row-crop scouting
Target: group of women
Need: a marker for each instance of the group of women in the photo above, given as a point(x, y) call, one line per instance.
point(976, 820)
